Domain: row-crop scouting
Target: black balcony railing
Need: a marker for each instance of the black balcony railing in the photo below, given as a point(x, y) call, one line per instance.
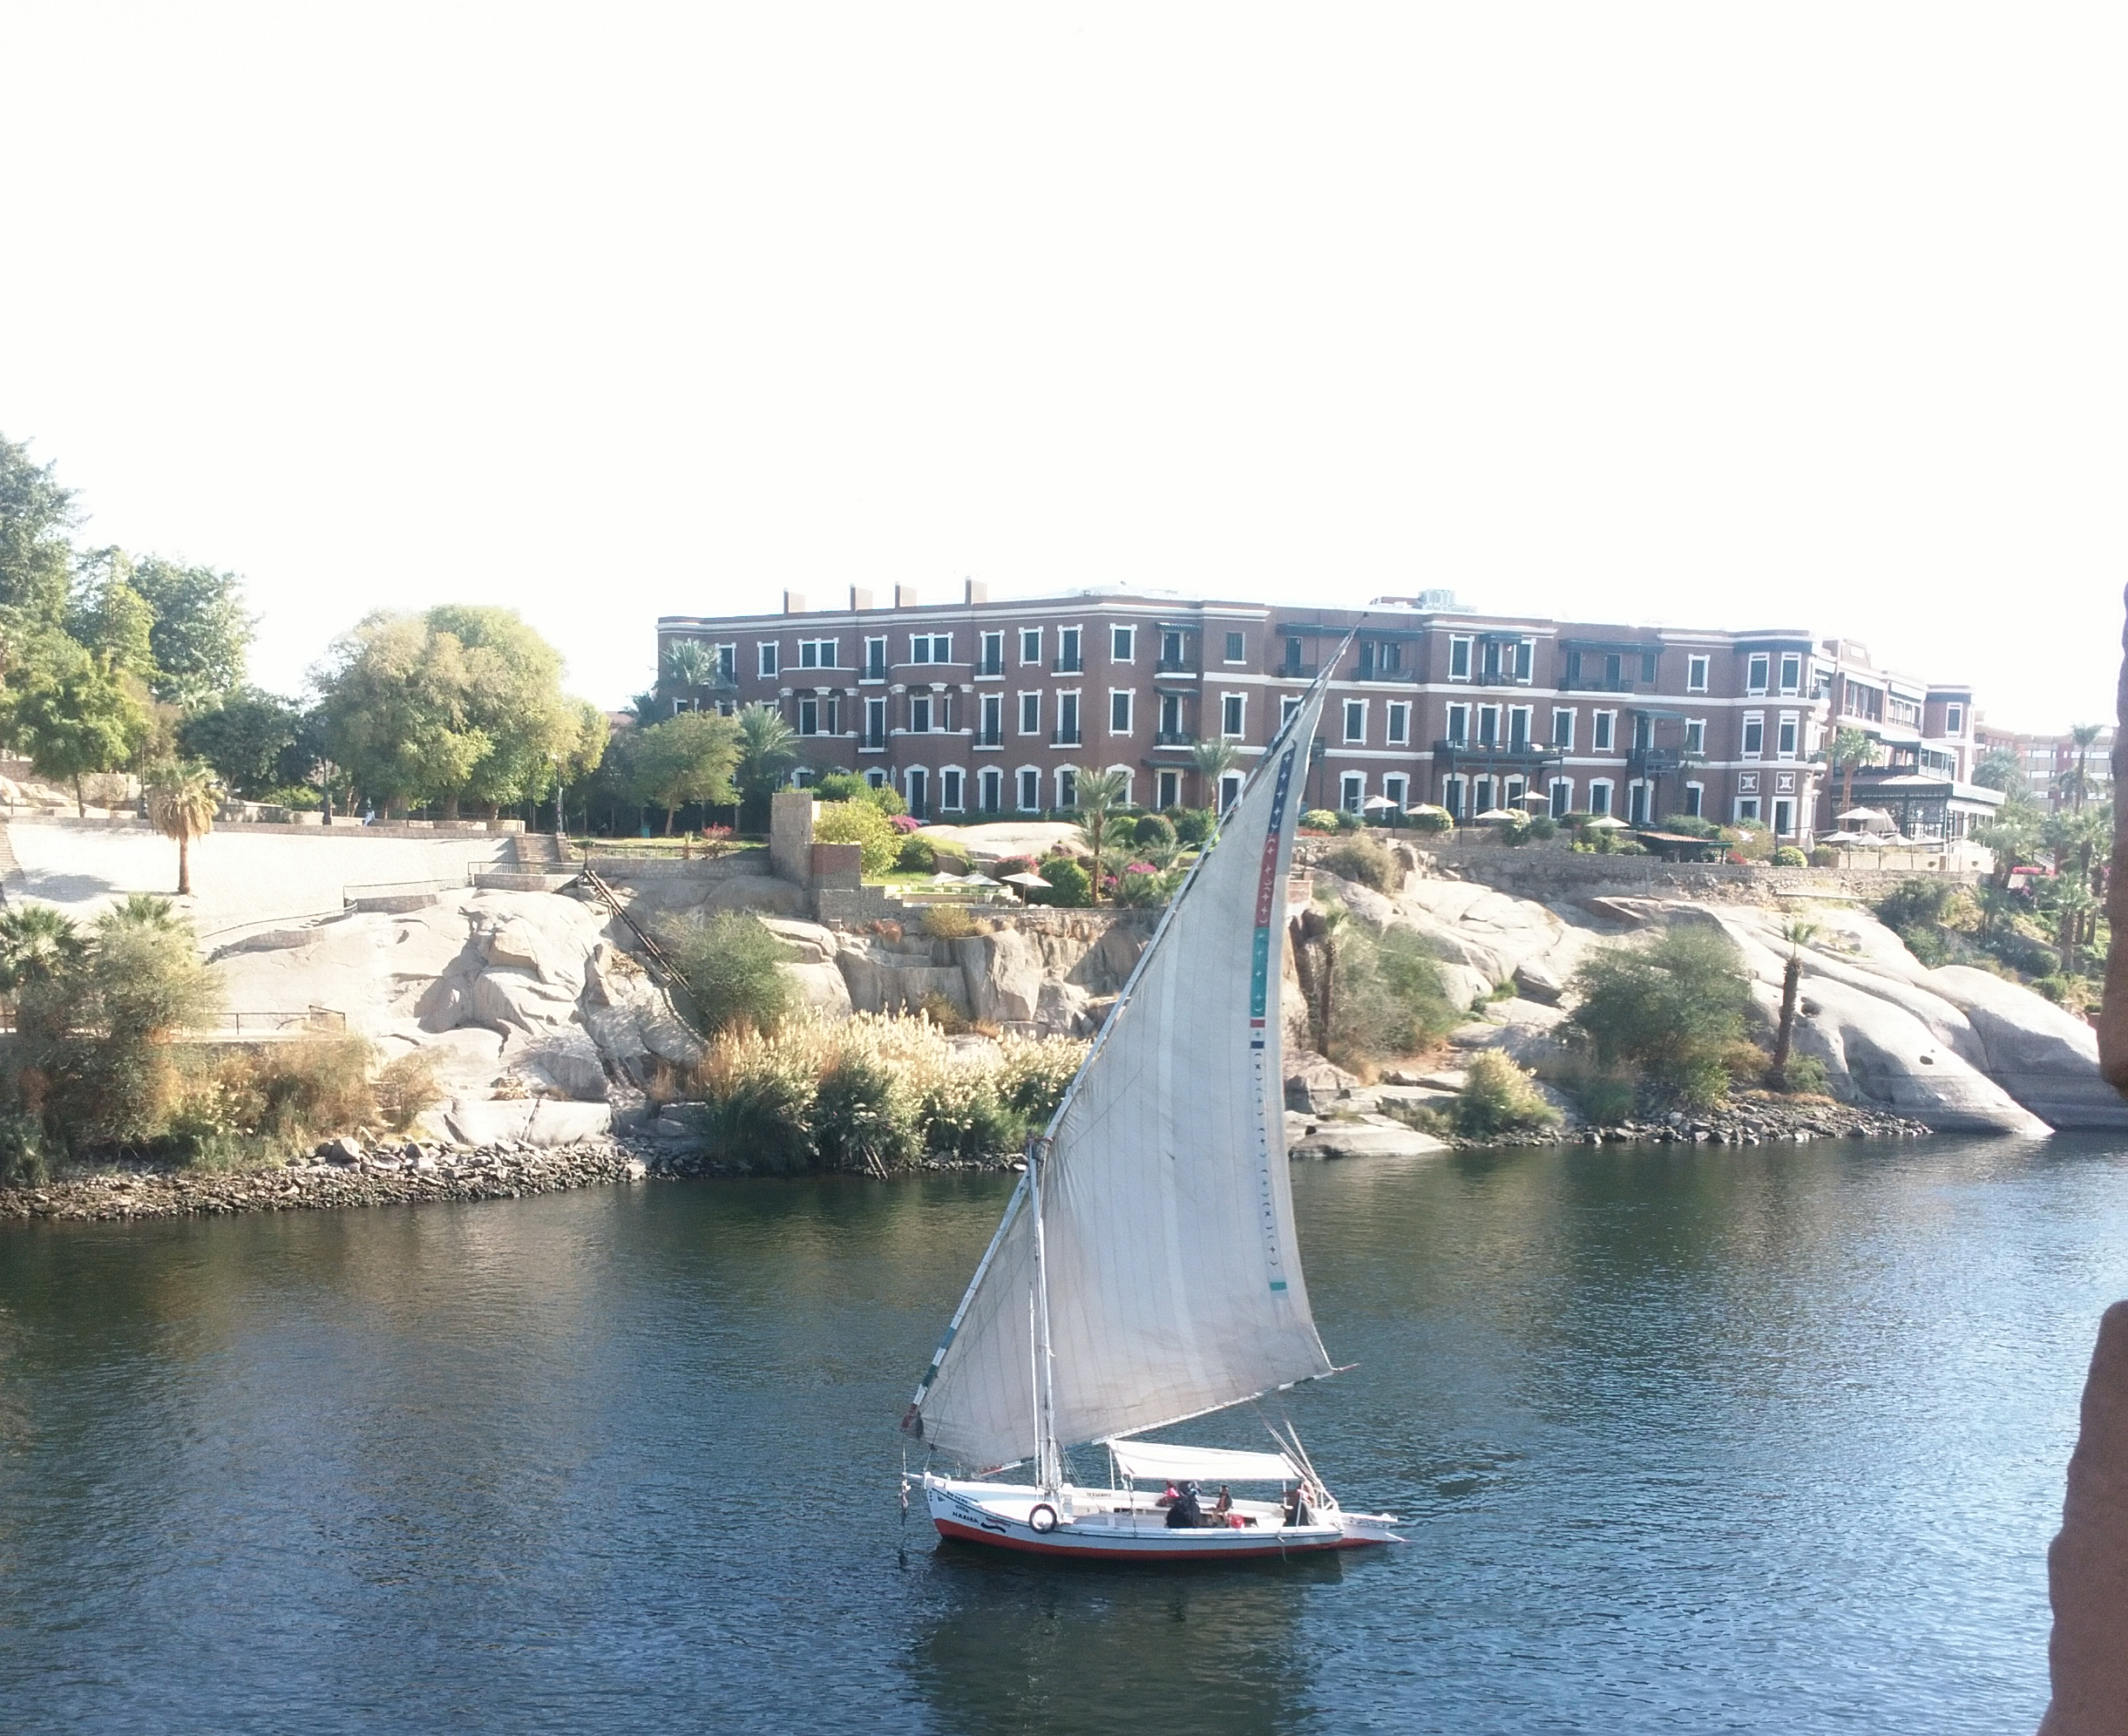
point(874, 672)
point(874, 739)
point(1289, 671)
point(1176, 666)
point(1068, 665)
point(1064, 738)
point(1519, 756)
point(991, 666)
point(1654, 762)
point(990, 738)
point(1174, 738)
point(1602, 684)
point(1370, 672)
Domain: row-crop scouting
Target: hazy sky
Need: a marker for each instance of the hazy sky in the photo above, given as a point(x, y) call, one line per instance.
point(1702, 312)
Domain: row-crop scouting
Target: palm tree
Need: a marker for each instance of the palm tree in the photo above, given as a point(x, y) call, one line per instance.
point(1849, 747)
point(690, 663)
point(1100, 793)
point(182, 797)
point(1315, 934)
point(2076, 781)
point(40, 949)
point(767, 750)
point(1798, 935)
point(1214, 759)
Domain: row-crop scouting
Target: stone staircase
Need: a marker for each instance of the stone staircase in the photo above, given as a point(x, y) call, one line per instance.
point(536, 864)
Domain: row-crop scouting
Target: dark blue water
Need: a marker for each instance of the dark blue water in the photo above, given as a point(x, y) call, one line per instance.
point(1689, 1440)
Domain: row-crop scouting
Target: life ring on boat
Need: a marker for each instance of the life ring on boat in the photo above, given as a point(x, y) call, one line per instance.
point(1042, 1518)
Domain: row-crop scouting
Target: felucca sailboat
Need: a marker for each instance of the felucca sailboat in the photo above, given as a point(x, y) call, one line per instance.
point(1145, 1271)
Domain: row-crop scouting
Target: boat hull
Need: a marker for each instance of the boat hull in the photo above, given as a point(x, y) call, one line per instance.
point(1106, 1525)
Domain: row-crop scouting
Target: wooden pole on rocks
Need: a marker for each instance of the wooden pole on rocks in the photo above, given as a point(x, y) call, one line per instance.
point(2087, 1566)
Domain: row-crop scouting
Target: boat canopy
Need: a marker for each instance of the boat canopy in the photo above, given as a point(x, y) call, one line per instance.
point(1157, 1459)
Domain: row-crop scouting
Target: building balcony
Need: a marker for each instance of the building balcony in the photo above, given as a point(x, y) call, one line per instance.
point(991, 666)
point(1295, 672)
point(1068, 666)
point(872, 744)
point(990, 738)
point(1064, 738)
point(1369, 672)
point(1660, 762)
point(1602, 684)
point(1524, 756)
point(1174, 738)
point(1180, 665)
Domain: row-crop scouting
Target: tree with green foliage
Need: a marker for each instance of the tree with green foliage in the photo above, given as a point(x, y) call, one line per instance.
point(1799, 935)
point(394, 700)
point(40, 952)
point(686, 759)
point(732, 969)
point(36, 557)
point(768, 750)
point(1213, 758)
point(1999, 769)
point(183, 795)
point(73, 715)
point(115, 623)
point(1674, 1008)
point(2076, 781)
point(513, 700)
point(1100, 794)
point(849, 786)
point(251, 738)
point(199, 632)
point(858, 822)
point(1848, 748)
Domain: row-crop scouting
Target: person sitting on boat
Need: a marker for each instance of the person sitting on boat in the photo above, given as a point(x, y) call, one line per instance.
point(1187, 1514)
point(1297, 1511)
point(1222, 1507)
point(1173, 1496)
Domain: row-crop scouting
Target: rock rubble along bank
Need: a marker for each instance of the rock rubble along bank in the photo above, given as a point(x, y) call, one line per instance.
point(395, 1174)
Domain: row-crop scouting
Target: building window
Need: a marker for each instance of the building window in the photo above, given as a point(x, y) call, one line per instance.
point(1030, 645)
point(1518, 726)
point(1352, 791)
point(1288, 704)
point(875, 778)
point(1230, 714)
point(1754, 734)
point(1603, 727)
point(1755, 672)
point(990, 784)
point(1119, 711)
point(949, 790)
point(1169, 788)
point(993, 654)
point(916, 790)
point(1563, 726)
point(1067, 787)
point(1747, 808)
point(1459, 657)
point(768, 659)
point(1229, 789)
point(1636, 804)
point(1786, 739)
point(1397, 788)
point(1954, 720)
point(1030, 714)
point(1122, 644)
point(809, 717)
point(1696, 674)
point(1489, 726)
point(1237, 649)
point(1784, 818)
point(1400, 726)
point(1068, 723)
point(1525, 660)
point(727, 661)
point(1030, 789)
point(1458, 724)
point(1452, 797)
point(1355, 720)
point(1562, 797)
point(875, 723)
point(1791, 672)
point(919, 713)
point(1170, 717)
point(875, 659)
point(1170, 650)
point(1648, 660)
point(931, 647)
point(815, 653)
point(994, 721)
point(1695, 799)
point(1599, 796)
point(1695, 735)
point(1067, 653)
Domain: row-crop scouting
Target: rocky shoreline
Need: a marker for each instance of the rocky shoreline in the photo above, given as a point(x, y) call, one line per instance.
point(346, 1175)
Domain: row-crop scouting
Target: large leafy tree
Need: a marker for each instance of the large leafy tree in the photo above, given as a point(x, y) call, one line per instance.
point(73, 714)
point(514, 699)
point(396, 711)
point(201, 629)
point(1848, 748)
point(685, 760)
point(768, 750)
point(250, 739)
point(36, 556)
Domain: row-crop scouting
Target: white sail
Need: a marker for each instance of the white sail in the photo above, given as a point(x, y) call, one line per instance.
point(1174, 1282)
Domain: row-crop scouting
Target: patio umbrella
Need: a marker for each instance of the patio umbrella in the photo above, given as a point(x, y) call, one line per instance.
point(1841, 838)
point(975, 879)
point(1429, 808)
point(1864, 814)
point(1603, 822)
point(1389, 801)
point(1025, 880)
point(1497, 814)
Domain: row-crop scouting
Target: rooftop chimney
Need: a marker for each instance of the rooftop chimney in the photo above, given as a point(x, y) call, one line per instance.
point(859, 599)
point(904, 596)
point(978, 591)
point(794, 602)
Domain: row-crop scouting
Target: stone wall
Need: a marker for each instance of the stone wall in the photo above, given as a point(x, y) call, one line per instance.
point(1542, 873)
point(790, 836)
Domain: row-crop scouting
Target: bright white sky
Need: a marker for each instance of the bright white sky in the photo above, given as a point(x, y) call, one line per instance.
point(1702, 314)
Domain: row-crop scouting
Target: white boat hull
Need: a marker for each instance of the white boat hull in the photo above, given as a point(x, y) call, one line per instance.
point(1104, 1524)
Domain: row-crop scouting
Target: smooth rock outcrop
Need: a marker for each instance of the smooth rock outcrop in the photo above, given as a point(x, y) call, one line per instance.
point(2087, 1564)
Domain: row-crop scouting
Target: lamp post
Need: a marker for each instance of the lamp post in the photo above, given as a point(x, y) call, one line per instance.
point(561, 797)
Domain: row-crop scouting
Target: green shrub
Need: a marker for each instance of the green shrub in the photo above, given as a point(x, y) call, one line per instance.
point(964, 1117)
point(860, 824)
point(1069, 884)
point(1142, 891)
point(1628, 847)
point(1432, 821)
point(863, 1122)
point(1807, 1076)
point(1348, 821)
point(1154, 830)
point(1192, 825)
point(300, 795)
point(1606, 1098)
point(1542, 828)
point(1691, 825)
point(764, 1117)
point(1824, 856)
point(1366, 861)
point(1668, 1009)
point(405, 1088)
point(918, 855)
point(1498, 1098)
point(1928, 945)
point(1387, 996)
point(732, 966)
point(1789, 856)
point(1320, 819)
point(948, 922)
point(849, 786)
point(1914, 902)
point(22, 1151)
point(1032, 1078)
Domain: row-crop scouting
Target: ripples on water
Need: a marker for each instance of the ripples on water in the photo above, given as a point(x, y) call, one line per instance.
point(1689, 1440)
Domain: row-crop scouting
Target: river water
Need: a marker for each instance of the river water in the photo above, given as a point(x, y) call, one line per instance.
point(1768, 1439)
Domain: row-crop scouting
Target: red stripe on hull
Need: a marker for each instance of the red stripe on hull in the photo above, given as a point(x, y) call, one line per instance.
point(970, 1534)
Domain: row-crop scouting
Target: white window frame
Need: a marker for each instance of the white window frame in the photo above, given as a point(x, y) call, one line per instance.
point(1025, 729)
point(1779, 830)
point(1489, 714)
point(1604, 732)
point(924, 649)
point(1601, 790)
point(991, 701)
point(1758, 671)
point(983, 655)
point(1695, 800)
point(1128, 695)
point(929, 725)
point(1030, 635)
point(1953, 719)
point(1071, 648)
point(865, 743)
point(1523, 669)
point(1788, 735)
point(1695, 735)
point(1397, 788)
point(1125, 636)
point(876, 776)
point(1230, 702)
point(1352, 791)
point(1555, 805)
point(1288, 704)
point(1168, 787)
point(909, 775)
point(1355, 708)
point(1077, 708)
point(1458, 715)
point(879, 640)
point(1020, 774)
point(1458, 652)
point(1233, 656)
point(952, 779)
point(1229, 789)
point(1565, 741)
point(809, 652)
point(767, 657)
point(1528, 714)
point(1752, 720)
point(809, 714)
point(1399, 725)
point(1791, 682)
point(1067, 786)
point(1130, 779)
point(1696, 668)
point(1747, 808)
point(988, 778)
